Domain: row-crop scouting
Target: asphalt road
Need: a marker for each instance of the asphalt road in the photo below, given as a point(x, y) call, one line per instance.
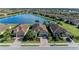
point(39, 48)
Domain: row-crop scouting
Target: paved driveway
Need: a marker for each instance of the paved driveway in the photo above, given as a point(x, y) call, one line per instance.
point(43, 42)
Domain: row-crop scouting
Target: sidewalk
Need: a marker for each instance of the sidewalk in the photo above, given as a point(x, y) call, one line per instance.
point(37, 44)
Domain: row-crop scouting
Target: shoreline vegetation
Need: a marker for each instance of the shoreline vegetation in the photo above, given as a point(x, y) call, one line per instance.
point(40, 11)
point(5, 15)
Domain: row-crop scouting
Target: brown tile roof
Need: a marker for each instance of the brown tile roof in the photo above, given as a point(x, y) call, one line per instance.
point(39, 27)
point(22, 27)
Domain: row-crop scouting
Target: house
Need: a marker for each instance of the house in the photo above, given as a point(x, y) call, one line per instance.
point(73, 22)
point(69, 20)
point(58, 31)
point(19, 31)
point(40, 29)
point(61, 18)
point(42, 34)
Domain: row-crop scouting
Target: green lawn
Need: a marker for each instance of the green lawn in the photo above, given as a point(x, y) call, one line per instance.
point(58, 41)
point(72, 29)
point(34, 41)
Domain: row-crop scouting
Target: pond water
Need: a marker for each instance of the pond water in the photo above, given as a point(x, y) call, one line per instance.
point(22, 19)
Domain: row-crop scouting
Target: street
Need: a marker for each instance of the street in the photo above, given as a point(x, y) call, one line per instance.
point(39, 48)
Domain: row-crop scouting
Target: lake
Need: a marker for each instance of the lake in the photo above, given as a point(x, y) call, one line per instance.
point(22, 19)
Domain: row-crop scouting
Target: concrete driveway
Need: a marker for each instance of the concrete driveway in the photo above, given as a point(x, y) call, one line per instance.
point(44, 42)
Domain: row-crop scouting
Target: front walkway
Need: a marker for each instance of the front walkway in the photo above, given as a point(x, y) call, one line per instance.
point(16, 43)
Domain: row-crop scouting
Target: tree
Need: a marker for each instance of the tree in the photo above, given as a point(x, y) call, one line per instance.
point(31, 35)
point(6, 36)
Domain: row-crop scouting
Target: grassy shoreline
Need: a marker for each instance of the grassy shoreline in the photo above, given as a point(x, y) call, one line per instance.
point(72, 29)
